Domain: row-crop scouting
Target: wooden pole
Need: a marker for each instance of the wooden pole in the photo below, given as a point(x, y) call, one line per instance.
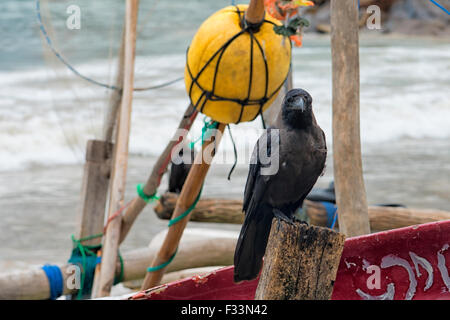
point(94, 190)
point(255, 11)
point(138, 204)
point(348, 174)
point(301, 262)
point(116, 96)
point(111, 243)
point(189, 193)
point(206, 210)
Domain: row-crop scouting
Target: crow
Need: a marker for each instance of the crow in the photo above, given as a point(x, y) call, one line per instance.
point(179, 172)
point(301, 153)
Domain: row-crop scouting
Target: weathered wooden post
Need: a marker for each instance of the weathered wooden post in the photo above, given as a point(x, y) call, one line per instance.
point(348, 175)
point(111, 241)
point(189, 193)
point(94, 190)
point(300, 263)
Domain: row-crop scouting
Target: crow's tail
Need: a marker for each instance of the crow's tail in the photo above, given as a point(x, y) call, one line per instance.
point(252, 243)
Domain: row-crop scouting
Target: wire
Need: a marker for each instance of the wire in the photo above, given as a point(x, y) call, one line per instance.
point(75, 71)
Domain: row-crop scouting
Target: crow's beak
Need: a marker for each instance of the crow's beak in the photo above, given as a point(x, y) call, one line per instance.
point(299, 104)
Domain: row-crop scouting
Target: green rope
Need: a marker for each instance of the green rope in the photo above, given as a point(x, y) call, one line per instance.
point(208, 125)
point(119, 279)
point(206, 131)
point(163, 265)
point(184, 215)
point(171, 223)
point(145, 197)
point(86, 257)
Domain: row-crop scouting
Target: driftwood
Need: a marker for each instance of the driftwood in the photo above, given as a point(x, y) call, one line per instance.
point(206, 210)
point(350, 190)
point(230, 211)
point(301, 262)
point(200, 248)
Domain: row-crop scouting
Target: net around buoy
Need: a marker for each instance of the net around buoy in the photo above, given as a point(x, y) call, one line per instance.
point(235, 70)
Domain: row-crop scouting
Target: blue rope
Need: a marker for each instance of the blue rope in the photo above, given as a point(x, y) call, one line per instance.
point(440, 6)
point(331, 213)
point(55, 279)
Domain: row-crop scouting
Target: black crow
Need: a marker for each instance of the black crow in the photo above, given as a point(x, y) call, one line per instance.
point(299, 148)
point(179, 172)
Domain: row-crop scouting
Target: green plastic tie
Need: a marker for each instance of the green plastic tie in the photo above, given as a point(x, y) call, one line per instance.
point(206, 131)
point(143, 196)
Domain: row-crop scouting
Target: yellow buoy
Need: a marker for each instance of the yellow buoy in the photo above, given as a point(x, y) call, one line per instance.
point(234, 72)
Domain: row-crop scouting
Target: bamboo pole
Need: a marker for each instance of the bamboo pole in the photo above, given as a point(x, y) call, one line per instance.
point(189, 193)
point(138, 204)
point(301, 262)
point(111, 242)
point(350, 190)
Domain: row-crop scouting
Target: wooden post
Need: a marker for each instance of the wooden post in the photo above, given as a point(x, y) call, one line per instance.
point(111, 242)
point(94, 190)
point(255, 11)
point(301, 262)
point(158, 171)
point(348, 175)
point(189, 193)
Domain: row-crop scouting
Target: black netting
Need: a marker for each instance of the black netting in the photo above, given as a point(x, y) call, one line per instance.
point(211, 95)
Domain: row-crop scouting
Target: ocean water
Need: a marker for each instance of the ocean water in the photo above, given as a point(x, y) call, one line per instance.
point(47, 114)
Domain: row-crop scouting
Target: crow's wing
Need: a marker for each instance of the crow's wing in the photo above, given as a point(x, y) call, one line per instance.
point(256, 183)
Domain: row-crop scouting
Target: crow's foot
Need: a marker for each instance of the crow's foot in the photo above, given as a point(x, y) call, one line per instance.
point(282, 216)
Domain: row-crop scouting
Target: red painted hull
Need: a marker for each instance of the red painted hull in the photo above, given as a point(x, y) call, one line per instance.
point(407, 263)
